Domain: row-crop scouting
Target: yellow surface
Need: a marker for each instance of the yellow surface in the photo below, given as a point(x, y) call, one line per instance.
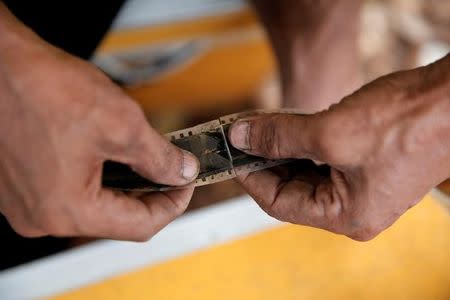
point(126, 39)
point(226, 72)
point(409, 261)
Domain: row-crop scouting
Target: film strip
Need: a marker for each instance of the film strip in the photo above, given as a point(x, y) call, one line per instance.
point(219, 160)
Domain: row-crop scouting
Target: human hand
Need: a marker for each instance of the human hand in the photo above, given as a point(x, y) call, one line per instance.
point(386, 145)
point(61, 118)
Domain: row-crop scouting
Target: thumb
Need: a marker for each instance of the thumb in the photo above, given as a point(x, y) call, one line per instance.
point(278, 136)
point(141, 147)
point(161, 161)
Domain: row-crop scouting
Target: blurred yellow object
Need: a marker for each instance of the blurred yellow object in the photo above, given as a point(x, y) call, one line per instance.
point(411, 260)
point(230, 59)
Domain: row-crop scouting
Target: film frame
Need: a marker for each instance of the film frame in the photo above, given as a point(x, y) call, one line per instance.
point(219, 160)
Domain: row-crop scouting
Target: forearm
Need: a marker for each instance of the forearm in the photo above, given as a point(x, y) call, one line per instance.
point(316, 43)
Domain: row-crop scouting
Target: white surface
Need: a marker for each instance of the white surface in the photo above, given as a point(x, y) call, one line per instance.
point(136, 13)
point(104, 259)
point(431, 52)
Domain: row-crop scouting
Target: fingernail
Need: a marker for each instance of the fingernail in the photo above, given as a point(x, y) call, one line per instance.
point(190, 166)
point(239, 135)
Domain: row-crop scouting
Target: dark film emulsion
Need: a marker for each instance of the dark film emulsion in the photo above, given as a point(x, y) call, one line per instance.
point(209, 147)
point(122, 177)
point(212, 148)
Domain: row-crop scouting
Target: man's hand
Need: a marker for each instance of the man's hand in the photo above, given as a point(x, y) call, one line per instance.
point(61, 118)
point(387, 145)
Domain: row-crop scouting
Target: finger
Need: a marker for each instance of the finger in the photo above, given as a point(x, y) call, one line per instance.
point(160, 161)
point(117, 216)
point(138, 145)
point(297, 201)
point(277, 136)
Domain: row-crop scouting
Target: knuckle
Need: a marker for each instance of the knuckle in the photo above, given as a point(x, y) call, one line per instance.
point(132, 112)
point(85, 219)
point(180, 207)
point(329, 141)
point(123, 124)
point(324, 147)
point(26, 230)
point(268, 142)
point(276, 214)
point(268, 209)
point(282, 215)
point(51, 222)
point(48, 225)
point(145, 237)
point(40, 219)
point(324, 137)
point(131, 120)
point(331, 204)
point(335, 133)
point(365, 232)
point(363, 237)
point(294, 216)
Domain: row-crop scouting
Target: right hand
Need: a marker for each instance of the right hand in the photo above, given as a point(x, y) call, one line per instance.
point(386, 146)
point(61, 118)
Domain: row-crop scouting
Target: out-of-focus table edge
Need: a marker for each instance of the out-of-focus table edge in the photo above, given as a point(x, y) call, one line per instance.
point(100, 260)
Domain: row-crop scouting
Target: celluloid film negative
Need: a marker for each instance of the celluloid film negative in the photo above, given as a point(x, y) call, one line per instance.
point(219, 160)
